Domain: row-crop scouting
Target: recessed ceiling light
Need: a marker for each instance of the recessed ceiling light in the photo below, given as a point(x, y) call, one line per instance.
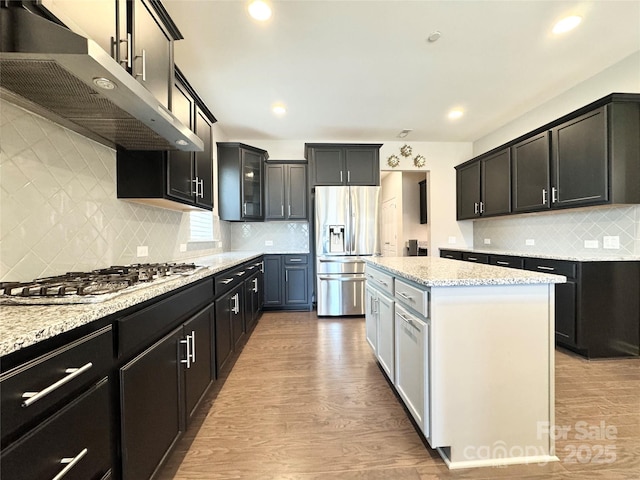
point(260, 10)
point(434, 37)
point(455, 114)
point(404, 133)
point(104, 83)
point(279, 109)
point(566, 24)
point(182, 142)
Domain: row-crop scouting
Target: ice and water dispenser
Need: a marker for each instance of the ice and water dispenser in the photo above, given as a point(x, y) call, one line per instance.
point(336, 239)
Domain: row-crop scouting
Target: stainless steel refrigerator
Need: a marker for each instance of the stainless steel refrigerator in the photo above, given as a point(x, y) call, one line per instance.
point(346, 228)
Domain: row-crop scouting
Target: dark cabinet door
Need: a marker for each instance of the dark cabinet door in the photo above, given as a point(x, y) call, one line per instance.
point(180, 164)
point(80, 430)
point(150, 406)
point(252, 289)
point(251, 194)
point(272, 285)
point(565, 313)
point(223, 335)
point(275, 192)
point(152, 60)
point(530, 174)
point(204, 161)
point(296, 192)
point(296, 288)
point(237, 314)
point(423, 201)
point(197, 343)
point(580, 164)
point(468, 191)
point(328, 167)
point(362, 166)
point(496, 184)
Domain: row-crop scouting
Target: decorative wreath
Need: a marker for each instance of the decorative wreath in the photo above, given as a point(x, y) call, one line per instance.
point(419, 161)
point(406, 150)
point(393, 161)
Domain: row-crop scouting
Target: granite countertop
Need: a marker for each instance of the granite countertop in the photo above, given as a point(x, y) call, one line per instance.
point(25, 325)
point(571, 257)
point(443, 272)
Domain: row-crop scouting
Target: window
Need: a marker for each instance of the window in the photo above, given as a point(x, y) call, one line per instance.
point(200, 226)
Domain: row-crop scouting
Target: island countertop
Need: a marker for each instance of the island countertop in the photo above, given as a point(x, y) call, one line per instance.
point(443, 272)
point(25, 325)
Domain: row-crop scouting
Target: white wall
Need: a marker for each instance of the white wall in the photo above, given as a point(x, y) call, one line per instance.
point(391, 188)
point(623, 77)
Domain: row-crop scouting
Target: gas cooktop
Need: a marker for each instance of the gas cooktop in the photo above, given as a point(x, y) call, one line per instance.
point(89, 287)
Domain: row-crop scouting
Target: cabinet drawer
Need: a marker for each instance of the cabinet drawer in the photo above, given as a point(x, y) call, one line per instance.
point(60, 373)
point(139, 330)
point(79, 433)
point(475, 257)
point(412, 296)
point(452, 254)
point(557, 267)
point(506, 261)
point(296, 259)
point(228, 279)
point(379, 279)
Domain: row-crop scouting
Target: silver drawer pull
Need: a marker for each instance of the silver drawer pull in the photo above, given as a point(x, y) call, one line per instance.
point(32, 397)
point(187, 359)
point(70, 462)
point(226, 280)
point(382, 282)
point(473, 259)
point(241, 273)
point(405, 296)
point(502, 263)
point(448, 256)
point(295, 259)
point(550, 269)
point(409, 321)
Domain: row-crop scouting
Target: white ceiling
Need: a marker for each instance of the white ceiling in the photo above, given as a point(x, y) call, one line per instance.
point(363, 70)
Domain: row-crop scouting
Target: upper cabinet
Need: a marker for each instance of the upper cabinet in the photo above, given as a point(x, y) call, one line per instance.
point(588, 157)
point(484, 186)
point(240, 181)
point(343, 164)
point(286, 191)
point(173, 179)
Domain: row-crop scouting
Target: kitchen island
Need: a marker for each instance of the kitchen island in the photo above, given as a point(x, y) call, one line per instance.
point(470, 350)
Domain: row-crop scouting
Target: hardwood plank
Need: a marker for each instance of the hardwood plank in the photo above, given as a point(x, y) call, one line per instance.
point(306, 400)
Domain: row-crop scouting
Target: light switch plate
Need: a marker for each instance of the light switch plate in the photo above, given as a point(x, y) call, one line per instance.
point(591, 244)
point(183, 247)
point(530, 242)
point(611, 242)
point(487, 241)
point(268, 243)
point(143, 251)
point(452, 240)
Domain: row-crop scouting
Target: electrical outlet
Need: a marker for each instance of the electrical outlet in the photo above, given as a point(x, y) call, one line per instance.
point(487, 241)
point(611, 242)
point(452, 240)
point(529, 242)
point(591, 244)
point(183, 247)
point(268, 243)
point(143, 251)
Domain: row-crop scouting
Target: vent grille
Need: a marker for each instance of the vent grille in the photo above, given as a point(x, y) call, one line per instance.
point(46, 83)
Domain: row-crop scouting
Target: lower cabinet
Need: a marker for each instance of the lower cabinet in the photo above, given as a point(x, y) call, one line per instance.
point(380, 328)
point(229, 325)
point(252, 299)
point(371, 317)
point(159, 389)
point(286, 282)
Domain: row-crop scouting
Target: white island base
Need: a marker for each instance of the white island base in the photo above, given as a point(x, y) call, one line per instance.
point(472, 358)
point(492, 374)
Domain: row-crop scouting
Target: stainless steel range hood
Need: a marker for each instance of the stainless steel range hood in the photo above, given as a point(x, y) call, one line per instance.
point(61, 71)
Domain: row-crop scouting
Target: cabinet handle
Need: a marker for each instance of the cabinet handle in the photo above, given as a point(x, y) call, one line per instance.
point(473, 259)
point(193, 346)
point(481, 207)
point(244, 208)
point(549, 269)
point(144, 65)
point(554, 194)
point(202, 188)
point(289, 209)
point(382, 282)
point(544, 196)
point(502, 263)
point(127, 60)
point(475, 208)
point(281, 210)
point(226, 281)
point(348, 175)
point(33, 397)
point(255, 285)
point(236, 308)
point(376, 309)
point(239, 274)
point(286, 275)
point(340, 176)
point(409, 321)
point(196, 182)
point(295, 260)
point(71, 462)
point(405, 296)
point(187, 343)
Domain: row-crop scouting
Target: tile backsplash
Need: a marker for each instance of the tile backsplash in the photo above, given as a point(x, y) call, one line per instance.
point(59, 210)
point(564, 232)
point(271, 237)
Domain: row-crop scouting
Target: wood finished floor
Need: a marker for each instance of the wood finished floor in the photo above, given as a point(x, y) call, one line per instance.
point(306, 400)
